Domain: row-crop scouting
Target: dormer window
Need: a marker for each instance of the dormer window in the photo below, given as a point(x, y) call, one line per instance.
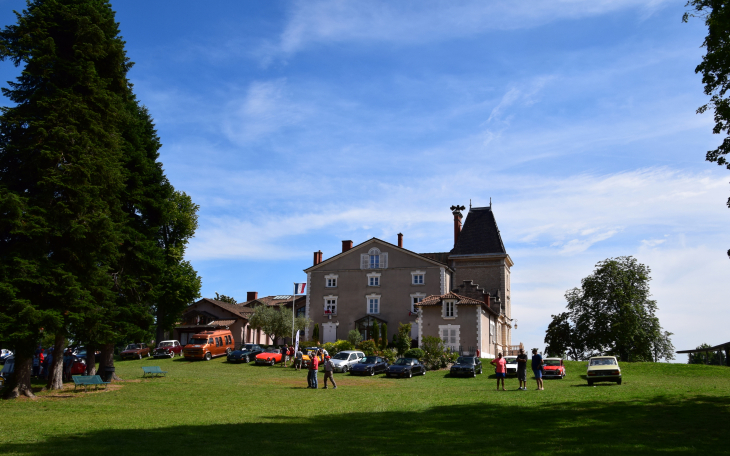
point(374, 259)
point(449, 309)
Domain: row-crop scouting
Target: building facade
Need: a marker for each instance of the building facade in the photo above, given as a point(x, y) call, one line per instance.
point(383, 282)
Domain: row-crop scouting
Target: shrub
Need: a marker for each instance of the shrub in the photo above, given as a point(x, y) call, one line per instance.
point(403, 341)
point(389, 354)
point(315, 333)
point(376, 333)
point(435, 356)
point(383, 336)
point(335, 347)
point(354, 337)
point(368, 347)
point(414, 353)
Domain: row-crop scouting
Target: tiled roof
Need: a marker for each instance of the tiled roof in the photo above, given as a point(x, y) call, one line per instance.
point(436, 300)
point(235, 309)
point(273, 301)
point(480, 234)
point(222, 322)
point(441, 257)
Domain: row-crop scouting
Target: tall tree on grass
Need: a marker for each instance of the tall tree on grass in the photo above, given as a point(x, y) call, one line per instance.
point(611, 313)
point(715, 70)
point(60, 171)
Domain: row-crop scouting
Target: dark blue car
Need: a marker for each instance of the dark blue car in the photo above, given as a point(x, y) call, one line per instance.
point(370, 365)
point(246, 354)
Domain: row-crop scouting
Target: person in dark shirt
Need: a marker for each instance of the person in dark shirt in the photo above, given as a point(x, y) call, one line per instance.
point(537, 368)
point(522, 369)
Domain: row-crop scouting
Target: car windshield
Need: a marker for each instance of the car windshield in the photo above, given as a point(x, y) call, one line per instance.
point(552, 362)
point(465, 360)
point(341, 355)
point(272, 350)
point(166, 344)
point(130, 347)
point(198, 341)
point(248, 347)
point(603, 362)
point(511, 360)
point(403, 362)
point(369, 360)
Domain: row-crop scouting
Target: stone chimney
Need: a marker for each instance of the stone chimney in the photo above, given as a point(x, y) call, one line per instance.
point(346, 245)
point(456, 210)
point(317, 257)
point(400, 240)
point(251, 295)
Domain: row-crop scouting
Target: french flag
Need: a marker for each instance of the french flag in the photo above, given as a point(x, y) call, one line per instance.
point(299, 288)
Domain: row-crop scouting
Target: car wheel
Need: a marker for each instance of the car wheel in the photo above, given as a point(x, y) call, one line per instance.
point(148, 354)
point(410, 374)
point(246, 360)
point(228, 351)
point(344, 369)
point(618, 382)
point(172, 355)
point(273, 361)
point(480, 371)
point(139, 355)
point(590, 382)
point(208, 356)
point(473, 373)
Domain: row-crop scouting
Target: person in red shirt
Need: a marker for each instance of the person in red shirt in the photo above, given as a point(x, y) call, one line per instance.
point(501, 369)
point(313, 368)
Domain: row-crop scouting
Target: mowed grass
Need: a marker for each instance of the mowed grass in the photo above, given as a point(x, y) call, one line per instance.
point(215, 408)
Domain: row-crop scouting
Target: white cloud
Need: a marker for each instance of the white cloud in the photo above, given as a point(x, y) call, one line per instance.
point(427, 21)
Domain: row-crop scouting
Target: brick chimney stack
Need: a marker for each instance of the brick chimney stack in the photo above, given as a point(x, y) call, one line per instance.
point(456, 210)
point(251, 295)
point(346, 245)
point(400, 240)
point(317, 257)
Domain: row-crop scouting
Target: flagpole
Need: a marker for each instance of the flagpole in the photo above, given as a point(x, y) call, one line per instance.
point(293, 305)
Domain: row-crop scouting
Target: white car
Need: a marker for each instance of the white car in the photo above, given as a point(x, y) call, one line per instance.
point(345, 359)
point(511, 365)
point(5, 354)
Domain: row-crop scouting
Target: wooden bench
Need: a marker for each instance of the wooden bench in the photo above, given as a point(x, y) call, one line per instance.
point(153, 370)
point(88, 380)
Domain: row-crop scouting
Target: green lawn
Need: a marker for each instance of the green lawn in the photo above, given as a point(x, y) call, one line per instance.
point(217, 409)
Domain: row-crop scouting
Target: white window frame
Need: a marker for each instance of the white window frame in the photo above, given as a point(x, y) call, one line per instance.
point(374, 275)
point(419, 297)
point(421, 274)
point(366, 261)
point(378, 303)
point(454, 336)
point(330, 280)
point(326, 304)
point(449, 304)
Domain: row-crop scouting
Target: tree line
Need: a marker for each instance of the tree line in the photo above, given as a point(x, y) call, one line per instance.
point(92, 233)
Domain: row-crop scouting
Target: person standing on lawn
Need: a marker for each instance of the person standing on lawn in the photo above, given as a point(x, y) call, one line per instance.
point(501, 369)
point(329, 368)
point(522, 369)
point(537, 368)
point(298, 356)
point(313, 369)
point(284, 355)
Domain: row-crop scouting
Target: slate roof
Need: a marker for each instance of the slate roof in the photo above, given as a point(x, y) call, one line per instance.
point(441, 257)
point(273, 301)
point(479, 234)
point(436, 300)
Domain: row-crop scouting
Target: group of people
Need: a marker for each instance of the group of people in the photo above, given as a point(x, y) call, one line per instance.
point(536, 363)
point(329, 369)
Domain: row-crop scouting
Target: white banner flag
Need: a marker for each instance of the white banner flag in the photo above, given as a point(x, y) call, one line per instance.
point(296, 344)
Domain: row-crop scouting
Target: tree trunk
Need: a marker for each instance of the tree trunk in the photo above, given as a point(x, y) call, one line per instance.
point(160, 331)
point(107, 359)
point(90, 360)
point(55, 376)
point(20, 381)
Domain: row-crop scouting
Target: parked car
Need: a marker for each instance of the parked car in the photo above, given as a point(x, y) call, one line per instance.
point(133, 351)
point(405, 367)
point(553, 368)
point(79, 366)
point(5, 354)
point(168, 349)
point(8, 370)
point(307, 356)
point(468, 366)
point(345, 359)
point(81, 352)
point(369, 365)
point(209, 344)
point(269, 356)
point(603, 369)
point(247, 353)
point(511, 365)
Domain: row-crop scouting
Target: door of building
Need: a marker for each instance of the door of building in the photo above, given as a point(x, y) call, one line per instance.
point(329, 332)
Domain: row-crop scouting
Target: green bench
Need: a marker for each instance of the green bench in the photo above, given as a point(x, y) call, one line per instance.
point(153, 370)
point(88, 380)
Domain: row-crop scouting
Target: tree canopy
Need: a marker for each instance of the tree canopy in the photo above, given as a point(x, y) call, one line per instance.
point(715, 70)
point(611, 313)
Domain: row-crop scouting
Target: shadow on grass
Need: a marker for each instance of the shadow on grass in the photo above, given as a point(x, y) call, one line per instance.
point(657, 426)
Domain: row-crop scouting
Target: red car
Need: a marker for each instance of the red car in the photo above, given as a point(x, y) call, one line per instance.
point(168, 349)
point(553, 368)
point(269, 356)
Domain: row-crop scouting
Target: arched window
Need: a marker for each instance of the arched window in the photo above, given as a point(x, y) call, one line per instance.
point(374, 258)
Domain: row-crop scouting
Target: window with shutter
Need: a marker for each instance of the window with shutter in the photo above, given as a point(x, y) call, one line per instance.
point(384, 260)
point(364, 261)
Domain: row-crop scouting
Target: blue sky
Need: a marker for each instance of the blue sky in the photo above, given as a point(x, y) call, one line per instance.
point(295, 125)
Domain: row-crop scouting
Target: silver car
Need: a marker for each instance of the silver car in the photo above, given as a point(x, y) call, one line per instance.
point(344, 359)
